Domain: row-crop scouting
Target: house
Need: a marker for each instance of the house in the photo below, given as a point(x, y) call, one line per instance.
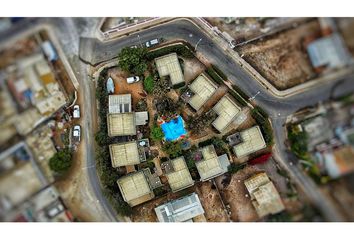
point(179, 178)
point(329, 51)
point(124, 154)
point(264, 196)
point(135, 188)
point(203, 88)
point(180, 210)
point(168, 65)
point(251, 141)
point(339, 162)
point(211, 165)
point(227, 111)
point(120, 103)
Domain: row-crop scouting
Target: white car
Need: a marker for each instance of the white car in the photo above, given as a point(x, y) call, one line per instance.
point(77, 132)
point(76, 113)
point(133, 79)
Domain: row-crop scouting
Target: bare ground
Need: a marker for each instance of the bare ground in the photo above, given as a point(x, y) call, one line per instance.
point(281, 58)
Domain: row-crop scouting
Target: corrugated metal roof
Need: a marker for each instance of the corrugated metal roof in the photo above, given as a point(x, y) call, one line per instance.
point(124, 154)
point(227, 110)
point(180, 178)
point(203, 89)
point(168, 65)
point(252, 141)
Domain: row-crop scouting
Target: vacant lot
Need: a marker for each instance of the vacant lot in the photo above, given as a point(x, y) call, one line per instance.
point(209, 197)
point(281, 58)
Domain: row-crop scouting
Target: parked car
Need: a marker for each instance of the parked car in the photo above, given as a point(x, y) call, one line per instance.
point(133, 79)
point(76, 113)
point(77, 133)
point(152, 42)
point(55, 210)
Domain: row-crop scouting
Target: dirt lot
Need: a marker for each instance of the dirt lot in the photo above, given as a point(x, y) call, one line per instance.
point(209, 197)
point(192, 68)
point(281, 58)
point(122, 87)
point(346, 27)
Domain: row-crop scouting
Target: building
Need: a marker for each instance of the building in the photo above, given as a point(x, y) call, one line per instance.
point(318, 130)
point(124, 154)
point(180, 210)
point(135, 188)
point(211, 165)
point(329, 52)
point(264, 196)
point(121, 103)
point(168, 65)
point(179, 178)
point(121, 124)
point(203, 88)
point(227, 111)
point(121, 120)
point(251, 141)
point(339, 162)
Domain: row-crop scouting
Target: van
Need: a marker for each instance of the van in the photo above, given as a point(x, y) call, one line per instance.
point(152, 42)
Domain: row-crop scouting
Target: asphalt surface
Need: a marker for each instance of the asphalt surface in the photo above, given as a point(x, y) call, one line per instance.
point(93, 51)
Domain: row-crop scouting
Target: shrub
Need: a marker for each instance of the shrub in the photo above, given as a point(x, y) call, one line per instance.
point(238, 98)
point(264, 125)
point(210, 71)
point(133, 60)
point(234, 168)
point(61, 161)
point(149, 84)
point(240, 92)
point(179, 85)
point(219, 72)
point(173, 149)
point(181, 50)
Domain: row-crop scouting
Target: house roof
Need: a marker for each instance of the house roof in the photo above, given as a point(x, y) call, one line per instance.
point(168, 65)
point(180, 210)
point(203, 89)
point(227, 110)
point(264, 196)
point(121, 124)
point(211, 166)
point(121, 103)
point(180, 178)
point(252, 141)
point(135, 188)
point(124, 154)
point(340, 161)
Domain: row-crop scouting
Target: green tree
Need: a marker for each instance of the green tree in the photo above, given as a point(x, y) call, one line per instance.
point(133, 60)
point(149, 84)
point(61, 161)
point(174, 149)
point(156, 133)
point(234, 168)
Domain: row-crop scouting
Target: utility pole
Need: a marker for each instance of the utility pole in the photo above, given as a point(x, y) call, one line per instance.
point(139, 41)
point(195, 49)
point(252, 98)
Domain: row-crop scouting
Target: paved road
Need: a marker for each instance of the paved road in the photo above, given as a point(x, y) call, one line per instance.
point(278, 109)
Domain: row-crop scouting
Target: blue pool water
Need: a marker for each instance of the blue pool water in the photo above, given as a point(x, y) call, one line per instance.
point(173, 129)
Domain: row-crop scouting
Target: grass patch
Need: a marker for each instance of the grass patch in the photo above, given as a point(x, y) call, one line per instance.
point(149, 84)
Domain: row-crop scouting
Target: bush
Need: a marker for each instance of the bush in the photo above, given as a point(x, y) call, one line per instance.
point(156, 133)
point(238, 98)
point(61, 161)
point(240, 92)
point(179, 85)
point(264, 125)
point(173, 149)
point(219, 72)
point(181, 50)
point(149, 84)
point(213, 75)
point(234, 168)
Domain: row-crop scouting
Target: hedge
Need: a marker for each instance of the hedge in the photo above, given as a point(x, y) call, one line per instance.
point(181, 50)
point(239, 91)
point(219, 72)
point(179, 85)
point(210, 71)
point(239, 99)
point(264, 124)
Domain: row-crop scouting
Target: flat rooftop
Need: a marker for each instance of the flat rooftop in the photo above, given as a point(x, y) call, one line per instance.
point(168, 65)
point(227, 111)
point(203, 88)
point(121, 124)
point(211, 166)
point(264, 196)
point(180, 178)
point(252, 141)
point(124, 154)
point(180, 210)
point(135, 188)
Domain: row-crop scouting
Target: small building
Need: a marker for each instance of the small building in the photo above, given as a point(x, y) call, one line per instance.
point(121, 103)
point(339, 162)
point(211, 165)
point(135, 188)
point(124, 154)
point(141, 118)
point(264, 196)
point(180, 210)
point(121, 124)
point(329, 51)
point(251, 141)
point(203, 88)
point(168, 65)
point(227, 111)
point(179, 178)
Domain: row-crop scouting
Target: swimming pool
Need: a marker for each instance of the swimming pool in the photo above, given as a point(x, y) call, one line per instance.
point(173, 129)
